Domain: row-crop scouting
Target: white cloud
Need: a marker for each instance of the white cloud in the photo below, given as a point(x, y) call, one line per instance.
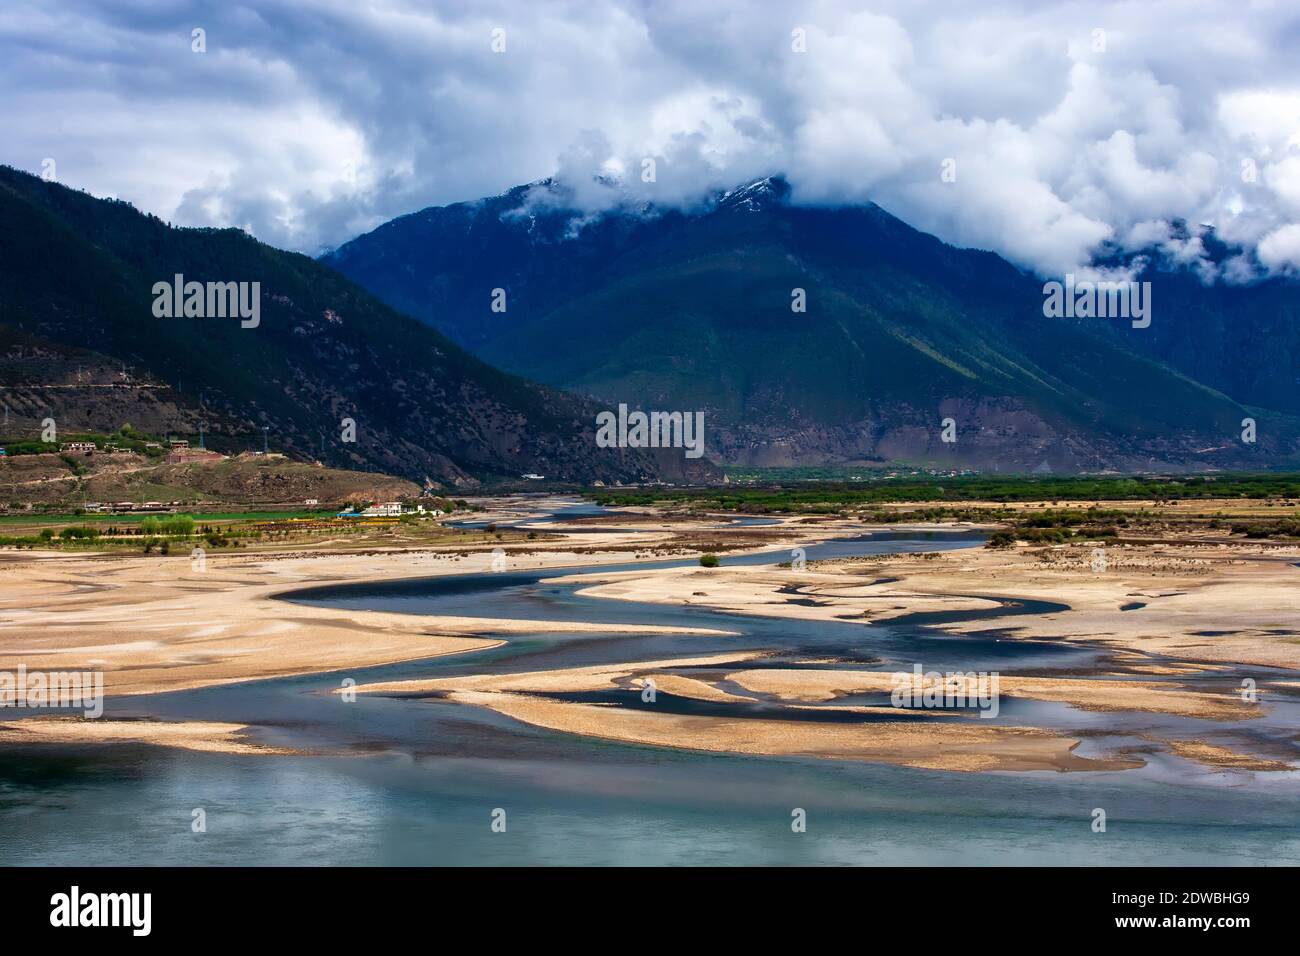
point(1280, 249)
point(1283, 178)
point(308, 121)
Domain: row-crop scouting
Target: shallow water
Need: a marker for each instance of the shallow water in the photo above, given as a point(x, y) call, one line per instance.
point(435, 771)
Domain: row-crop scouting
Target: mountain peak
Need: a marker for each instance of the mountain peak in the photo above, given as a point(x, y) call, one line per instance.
point(756, 196)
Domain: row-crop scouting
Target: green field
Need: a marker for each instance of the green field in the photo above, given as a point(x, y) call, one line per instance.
point(833, 495)
point(762, 477)
point(133, 518)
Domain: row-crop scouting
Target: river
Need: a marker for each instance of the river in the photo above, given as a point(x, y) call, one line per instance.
point(430, 774)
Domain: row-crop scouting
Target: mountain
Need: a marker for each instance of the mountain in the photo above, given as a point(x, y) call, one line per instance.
point(77, 292)
point(692, 309)
point(1241, 339)
point(247, 479)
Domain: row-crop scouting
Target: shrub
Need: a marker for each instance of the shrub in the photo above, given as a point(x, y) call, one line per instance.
point(708, 560)
point(1106, 532)
point(1000, 539)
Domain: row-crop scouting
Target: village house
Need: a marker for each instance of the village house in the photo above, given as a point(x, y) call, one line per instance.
point(78, 447)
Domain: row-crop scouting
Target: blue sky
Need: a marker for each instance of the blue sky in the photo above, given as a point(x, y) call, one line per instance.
point(307, 122)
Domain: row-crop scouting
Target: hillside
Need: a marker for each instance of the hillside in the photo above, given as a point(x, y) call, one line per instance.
point(674, 310)
point(84, 346)
point(244, 479)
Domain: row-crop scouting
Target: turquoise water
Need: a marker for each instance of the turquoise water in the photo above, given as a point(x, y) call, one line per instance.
point(422, 779)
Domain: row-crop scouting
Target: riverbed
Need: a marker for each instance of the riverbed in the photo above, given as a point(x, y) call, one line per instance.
point(419, 781)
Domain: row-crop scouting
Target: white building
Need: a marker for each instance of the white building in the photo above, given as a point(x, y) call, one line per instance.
point(389, 509)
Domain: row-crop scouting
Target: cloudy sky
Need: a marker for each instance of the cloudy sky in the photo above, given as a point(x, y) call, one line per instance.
point(309, 121)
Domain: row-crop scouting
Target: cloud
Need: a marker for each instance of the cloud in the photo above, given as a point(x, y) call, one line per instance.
point(1067, 125)
point(1280, 249)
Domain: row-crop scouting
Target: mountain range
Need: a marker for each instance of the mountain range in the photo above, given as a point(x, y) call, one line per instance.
point(477, 342)
point(81, 341)
point(697, 309)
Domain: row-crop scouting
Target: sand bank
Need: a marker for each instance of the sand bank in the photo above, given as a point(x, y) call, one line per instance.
point(967, 746)
point(156, 624)
point(1155, 697)
point(203, 735)
point(1206, 604)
